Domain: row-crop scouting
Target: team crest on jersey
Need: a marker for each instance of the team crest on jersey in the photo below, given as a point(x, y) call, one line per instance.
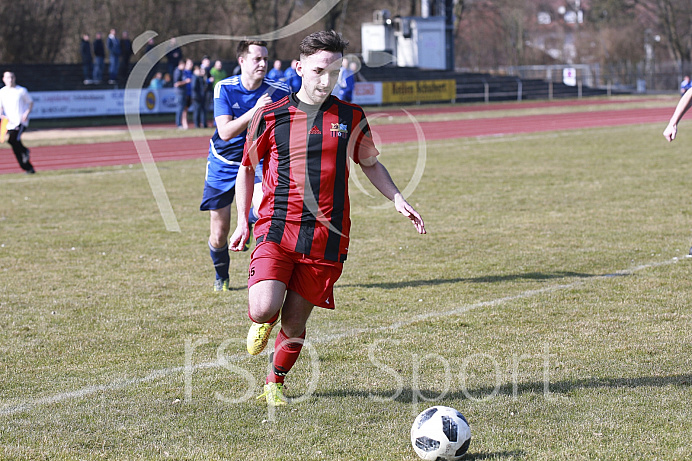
point(339, 130)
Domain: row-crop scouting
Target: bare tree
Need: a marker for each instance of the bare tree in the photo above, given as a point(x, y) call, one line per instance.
point(487, 33)
point(269, 15)
point(61, 23)
point(32, 30)
point(674, 20)
point(613, 36)
point(460, 8)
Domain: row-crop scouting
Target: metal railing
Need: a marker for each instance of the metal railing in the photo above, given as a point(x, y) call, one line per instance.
point(515, 88)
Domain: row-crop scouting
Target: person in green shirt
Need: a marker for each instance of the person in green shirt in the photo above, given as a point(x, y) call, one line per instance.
point(217, 73)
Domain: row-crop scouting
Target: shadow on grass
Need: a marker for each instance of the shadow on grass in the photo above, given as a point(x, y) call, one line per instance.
point(237, 288)
point(485, 279)
point(496, 455)
point(558, 388)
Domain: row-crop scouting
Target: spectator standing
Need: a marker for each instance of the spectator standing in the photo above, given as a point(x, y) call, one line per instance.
point(150, 61)
point(205, 68)
point(275, 73)
point(354, 67)
point(87, 59)
point(355, 70)
point(16, 105)
point(344, 84)
point(114, 56)
point(180, 84)
point(125, 55)
point(174, 56)
point(291, 77)
point(188, 73)
point(150, 45)
point(217, 73)
point(99, 57)
point(685, 85)
point(199, 84)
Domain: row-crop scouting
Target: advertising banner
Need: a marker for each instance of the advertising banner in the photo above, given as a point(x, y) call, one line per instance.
point(418, 91)
point(367, 93)
point(64, 104)
point(95, 103)
point(569, 76)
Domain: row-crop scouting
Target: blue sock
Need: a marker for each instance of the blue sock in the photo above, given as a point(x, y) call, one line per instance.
point(221, 260)
point(252, 216)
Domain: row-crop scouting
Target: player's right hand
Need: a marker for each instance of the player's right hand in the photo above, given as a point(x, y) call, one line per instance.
point(263, 101)
point(237, 240)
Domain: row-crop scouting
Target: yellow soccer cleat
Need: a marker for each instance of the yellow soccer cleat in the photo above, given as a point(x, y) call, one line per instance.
point(221, 285)
point(258, 336)
point(274, 394)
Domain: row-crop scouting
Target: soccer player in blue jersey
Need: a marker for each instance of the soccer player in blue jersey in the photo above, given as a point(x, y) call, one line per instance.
point(235, 101)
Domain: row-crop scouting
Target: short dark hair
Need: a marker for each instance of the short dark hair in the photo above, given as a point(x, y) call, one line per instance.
point(244, 46)
point(325, 40)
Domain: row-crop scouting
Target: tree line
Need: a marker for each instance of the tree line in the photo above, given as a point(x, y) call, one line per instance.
point(488, 33)
point(49, 31)
point(613, 33)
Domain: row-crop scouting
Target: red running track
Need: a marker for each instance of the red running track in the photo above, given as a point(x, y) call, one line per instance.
point(522, 124)
point(124, 152)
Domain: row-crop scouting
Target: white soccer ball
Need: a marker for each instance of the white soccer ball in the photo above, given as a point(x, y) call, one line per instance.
point(440, 434)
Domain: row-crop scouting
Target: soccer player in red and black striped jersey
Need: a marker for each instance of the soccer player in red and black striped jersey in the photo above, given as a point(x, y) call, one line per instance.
point(302, 234)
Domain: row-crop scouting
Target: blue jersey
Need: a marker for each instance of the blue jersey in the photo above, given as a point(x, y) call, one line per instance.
point(231, 98)
point(293, 80)
point(275, 74)
point(188, 86)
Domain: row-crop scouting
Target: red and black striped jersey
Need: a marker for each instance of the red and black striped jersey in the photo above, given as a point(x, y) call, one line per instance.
point(306, 152)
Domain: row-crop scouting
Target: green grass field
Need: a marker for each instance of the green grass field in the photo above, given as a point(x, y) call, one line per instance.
point(549, 303)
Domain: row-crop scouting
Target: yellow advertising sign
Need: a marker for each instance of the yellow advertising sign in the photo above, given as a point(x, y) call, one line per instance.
point(419, 91)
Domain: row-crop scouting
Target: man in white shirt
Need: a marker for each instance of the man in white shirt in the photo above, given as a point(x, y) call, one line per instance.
point(16, 105)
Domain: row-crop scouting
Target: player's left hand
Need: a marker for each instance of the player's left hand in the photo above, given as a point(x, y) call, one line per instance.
point(403, 207)
point(670, 132)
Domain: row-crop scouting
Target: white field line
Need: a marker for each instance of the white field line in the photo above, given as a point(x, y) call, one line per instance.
point(69, 175)
point(8, 409)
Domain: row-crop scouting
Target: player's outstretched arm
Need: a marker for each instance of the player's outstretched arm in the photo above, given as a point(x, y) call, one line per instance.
point(244, 186)
point(380, 178)
point(684, 104)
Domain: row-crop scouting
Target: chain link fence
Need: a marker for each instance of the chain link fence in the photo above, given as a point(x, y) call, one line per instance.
point(563, 81)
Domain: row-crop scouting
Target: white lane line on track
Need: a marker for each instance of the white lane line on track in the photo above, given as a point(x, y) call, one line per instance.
point(9, 409)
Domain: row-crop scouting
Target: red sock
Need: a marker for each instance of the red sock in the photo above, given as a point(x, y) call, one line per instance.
point(286, 352)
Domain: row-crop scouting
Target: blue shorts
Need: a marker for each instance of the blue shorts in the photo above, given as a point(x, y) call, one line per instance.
point(215, 199)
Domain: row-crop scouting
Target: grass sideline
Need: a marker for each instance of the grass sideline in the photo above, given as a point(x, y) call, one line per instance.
point(552, 259)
